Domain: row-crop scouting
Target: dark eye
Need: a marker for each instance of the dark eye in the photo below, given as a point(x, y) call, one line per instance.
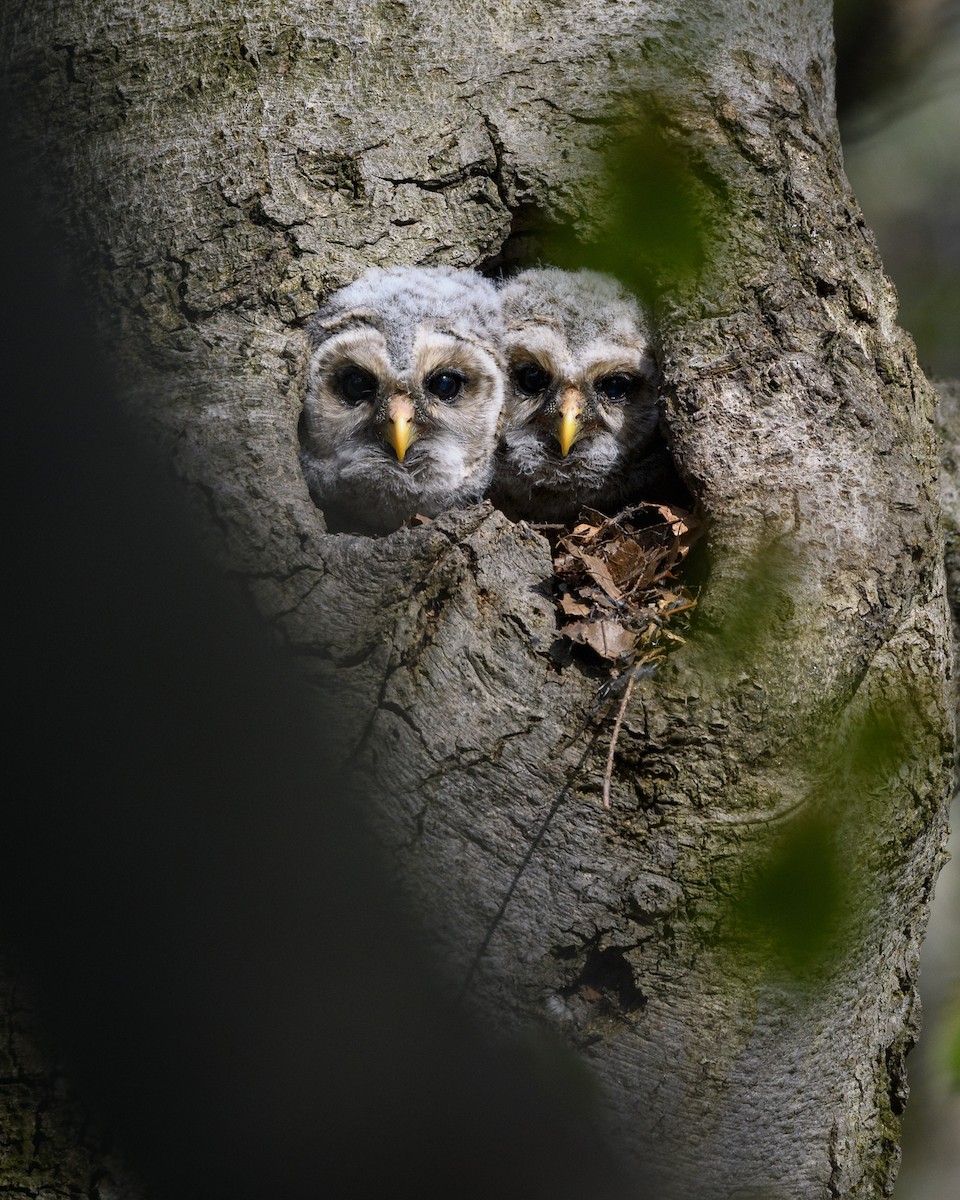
point(446, 385)
point(355, 385)
point(617, 388)
point(531, 379)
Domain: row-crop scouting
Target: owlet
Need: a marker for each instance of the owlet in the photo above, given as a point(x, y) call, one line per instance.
point(580, 414)
point(404, 393)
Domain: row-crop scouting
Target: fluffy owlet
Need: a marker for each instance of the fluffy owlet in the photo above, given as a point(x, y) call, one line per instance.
point(580, 415)
point(404, 392)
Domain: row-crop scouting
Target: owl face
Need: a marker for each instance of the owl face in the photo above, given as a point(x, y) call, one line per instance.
point(581, 401)
point(404, 393)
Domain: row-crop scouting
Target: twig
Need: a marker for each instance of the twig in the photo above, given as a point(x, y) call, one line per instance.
point(615, 737)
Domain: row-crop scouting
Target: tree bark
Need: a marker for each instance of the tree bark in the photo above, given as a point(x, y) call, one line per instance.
point(224, 171)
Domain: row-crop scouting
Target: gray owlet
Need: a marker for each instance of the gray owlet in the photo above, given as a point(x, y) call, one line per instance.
point(581, 405)
point(404, 392)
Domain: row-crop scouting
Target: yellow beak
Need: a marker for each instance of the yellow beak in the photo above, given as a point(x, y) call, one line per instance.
point(569, 423)
point(401, 425)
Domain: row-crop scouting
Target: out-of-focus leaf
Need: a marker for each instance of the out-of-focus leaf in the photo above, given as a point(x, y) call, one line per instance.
point(751, 621)
point(806, 884)
point(651, 227)
point(791, 904)
point(873, 751)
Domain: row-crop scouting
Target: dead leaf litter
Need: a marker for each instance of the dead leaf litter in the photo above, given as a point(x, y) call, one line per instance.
point(616, 585)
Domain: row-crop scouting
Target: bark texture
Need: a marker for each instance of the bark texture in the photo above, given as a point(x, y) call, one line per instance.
point(224, 170)
point(47, 1144)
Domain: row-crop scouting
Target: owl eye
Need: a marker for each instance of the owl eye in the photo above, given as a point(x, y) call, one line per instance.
point(531, 379)
point(355, 385)
point(445, 385)
point(617, 388)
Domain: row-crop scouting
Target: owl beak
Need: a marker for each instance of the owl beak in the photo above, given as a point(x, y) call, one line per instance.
point(568, 422)
point(401, 427)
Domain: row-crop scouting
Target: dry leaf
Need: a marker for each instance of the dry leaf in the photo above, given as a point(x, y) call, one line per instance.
point(679, 520)
point(607, 638)
point(616, 575)
point(574, 608)
point(627, 561)
point(601, 574)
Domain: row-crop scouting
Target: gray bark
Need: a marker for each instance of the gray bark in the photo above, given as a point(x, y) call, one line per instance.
point(224, 172)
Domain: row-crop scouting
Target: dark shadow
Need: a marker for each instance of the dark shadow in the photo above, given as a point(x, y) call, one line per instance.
point(226, 976)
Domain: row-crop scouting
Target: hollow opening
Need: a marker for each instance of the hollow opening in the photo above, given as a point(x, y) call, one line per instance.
point(589, 436)
point(533, 241)
point(606, 977)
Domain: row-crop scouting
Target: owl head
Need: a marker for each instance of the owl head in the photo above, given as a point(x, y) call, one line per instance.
point(404, 394)
point(581, 402)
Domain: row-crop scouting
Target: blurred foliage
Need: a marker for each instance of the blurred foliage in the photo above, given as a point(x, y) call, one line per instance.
point(794, 902)
point(806, 884)
point(660, 213)
point(874, 750)
point(657, 216)
point(757, 619)
point(794, 895)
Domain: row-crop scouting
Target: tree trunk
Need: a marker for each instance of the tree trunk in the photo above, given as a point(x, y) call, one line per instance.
point(223, 173)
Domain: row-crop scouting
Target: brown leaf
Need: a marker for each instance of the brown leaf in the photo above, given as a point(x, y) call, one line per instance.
point(594, 566)
point(673, 516)
point(607, 638)
point(618, 581)
point(625, 557)
point(572, 607)
point(601, 574)
point(633, 565)
point(686, 525)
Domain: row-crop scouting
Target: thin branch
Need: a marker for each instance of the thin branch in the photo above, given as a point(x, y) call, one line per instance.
point(615, 737)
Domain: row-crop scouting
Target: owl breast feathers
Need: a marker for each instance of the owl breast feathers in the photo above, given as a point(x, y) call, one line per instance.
point(581, 411)
point(404, 394)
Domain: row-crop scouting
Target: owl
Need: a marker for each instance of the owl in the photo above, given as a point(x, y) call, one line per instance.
point(404, 391)
point(580, 415)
